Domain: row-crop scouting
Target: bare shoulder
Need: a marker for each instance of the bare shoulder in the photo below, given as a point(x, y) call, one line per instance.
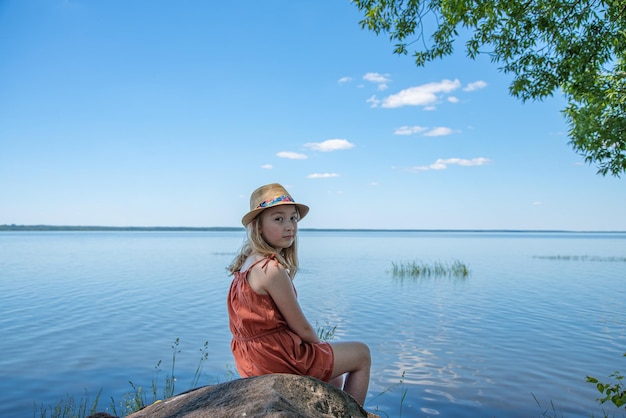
point(263, 276)
point(269, 270)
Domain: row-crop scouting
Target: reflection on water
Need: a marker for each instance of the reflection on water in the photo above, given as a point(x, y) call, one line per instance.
point(88, 311)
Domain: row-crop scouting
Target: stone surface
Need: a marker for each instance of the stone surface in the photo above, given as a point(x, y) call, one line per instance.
point(272, 396)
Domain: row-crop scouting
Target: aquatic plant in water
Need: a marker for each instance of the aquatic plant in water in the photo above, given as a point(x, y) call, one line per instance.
point(581, 258)
point(419, 268)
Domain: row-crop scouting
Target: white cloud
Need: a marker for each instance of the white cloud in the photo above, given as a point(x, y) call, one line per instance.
point(344, 80)
point(377, 78)
point(440, 131)
point(442, 164)
point(267, 166)
point(373, 101)
point(423, 95)
point(330, 145)
point(453, 99)
point(536, 203)
point(464, 162)
point(291, 155)
point(409, 130)
point(322, 175)
point(476, 85)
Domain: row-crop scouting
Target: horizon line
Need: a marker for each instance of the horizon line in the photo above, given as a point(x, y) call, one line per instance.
point(95, 228)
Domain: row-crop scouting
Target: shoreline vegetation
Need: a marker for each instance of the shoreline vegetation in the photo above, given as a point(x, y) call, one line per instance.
point(613, 391)
point(95, 228)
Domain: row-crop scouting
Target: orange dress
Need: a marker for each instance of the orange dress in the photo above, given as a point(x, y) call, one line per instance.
point(263, 343)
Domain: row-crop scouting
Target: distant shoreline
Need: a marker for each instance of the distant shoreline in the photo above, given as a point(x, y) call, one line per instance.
point(77, 228)
point(113, 228)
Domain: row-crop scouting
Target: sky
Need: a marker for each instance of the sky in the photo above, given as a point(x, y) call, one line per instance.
point(170, 113)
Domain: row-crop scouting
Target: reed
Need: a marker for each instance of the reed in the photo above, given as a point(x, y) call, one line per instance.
point(610, 259)
point(387, 390)
point(547, 412)
point(69, 407)
point(419, 268)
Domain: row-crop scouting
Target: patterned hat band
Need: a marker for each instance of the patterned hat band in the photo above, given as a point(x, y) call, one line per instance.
point(269, 196)
point(274, 200)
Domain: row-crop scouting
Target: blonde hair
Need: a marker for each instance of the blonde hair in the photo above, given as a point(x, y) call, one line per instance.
point(255, 243)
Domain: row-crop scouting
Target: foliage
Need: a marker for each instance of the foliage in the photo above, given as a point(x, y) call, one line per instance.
point(614, 392)
point(577, 47)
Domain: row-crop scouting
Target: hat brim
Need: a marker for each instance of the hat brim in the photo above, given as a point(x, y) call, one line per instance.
point(248, 217)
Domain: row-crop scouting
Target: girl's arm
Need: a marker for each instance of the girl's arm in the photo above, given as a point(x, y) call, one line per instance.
point(276, 282)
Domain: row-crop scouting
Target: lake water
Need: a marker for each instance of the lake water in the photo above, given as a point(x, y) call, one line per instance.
point(82, 312)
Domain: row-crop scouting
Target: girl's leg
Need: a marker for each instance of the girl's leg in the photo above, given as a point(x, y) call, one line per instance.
point(337, 381)
point(354, 359)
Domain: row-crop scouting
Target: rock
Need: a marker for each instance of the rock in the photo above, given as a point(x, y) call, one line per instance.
point(272, 396)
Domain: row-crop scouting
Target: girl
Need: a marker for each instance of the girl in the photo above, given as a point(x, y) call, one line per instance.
point(270, 331)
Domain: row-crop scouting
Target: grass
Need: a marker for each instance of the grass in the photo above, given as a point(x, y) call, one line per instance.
point(419, 268)
point(614, 392)
point(69, 407)
point(326, 332)
point(131, 401)
point(387, 390)
point(137, 399)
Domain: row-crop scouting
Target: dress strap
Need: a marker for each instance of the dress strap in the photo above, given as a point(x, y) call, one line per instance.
point(266, 260)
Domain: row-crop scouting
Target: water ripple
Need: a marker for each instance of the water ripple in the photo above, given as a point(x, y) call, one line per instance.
point(97, 310)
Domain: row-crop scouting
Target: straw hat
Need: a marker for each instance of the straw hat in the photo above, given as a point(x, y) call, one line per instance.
point(269, 196)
